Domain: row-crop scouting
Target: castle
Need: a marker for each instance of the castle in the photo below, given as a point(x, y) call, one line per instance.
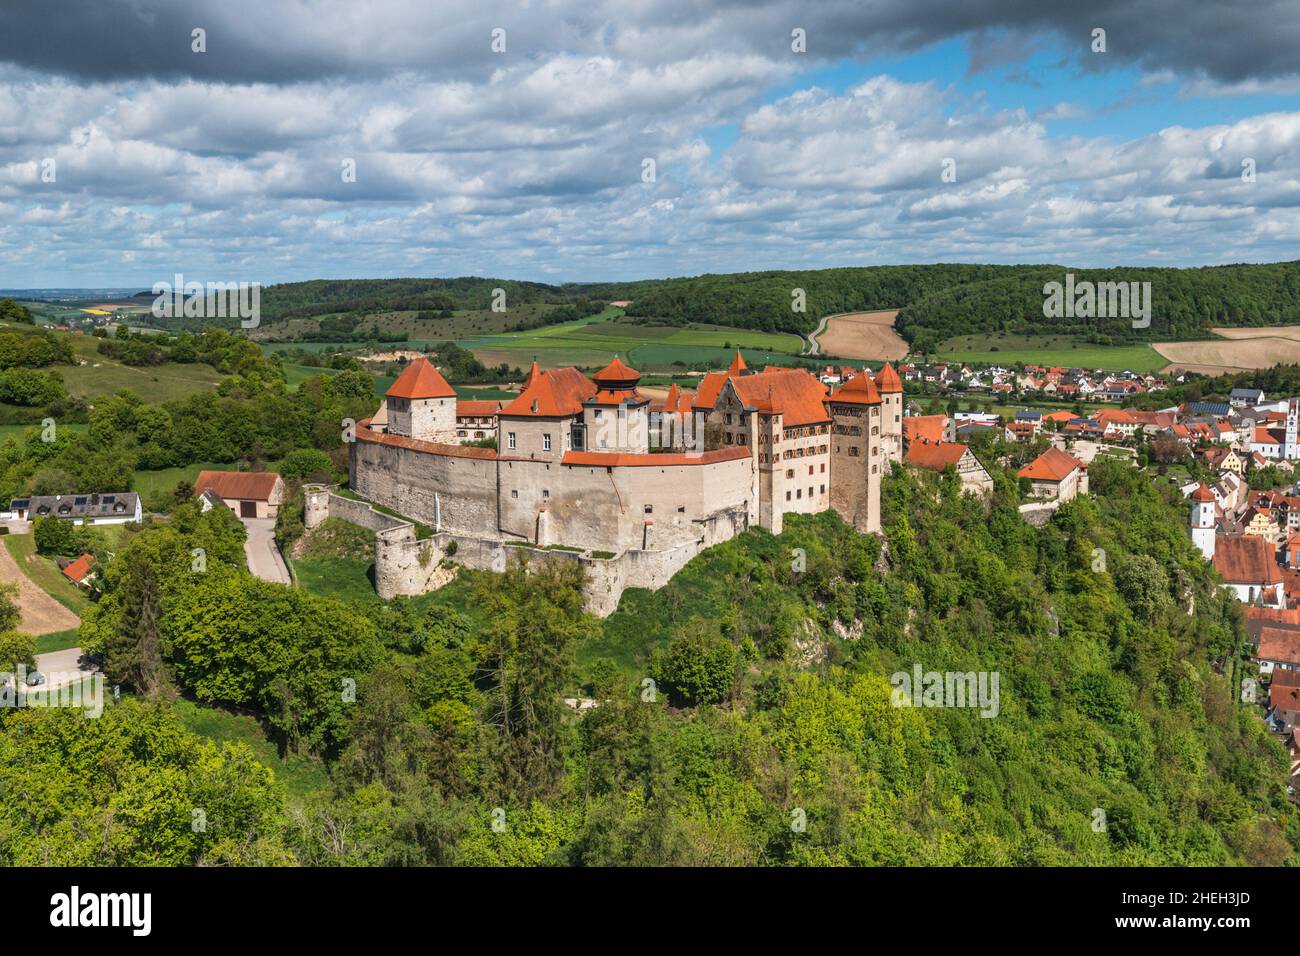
point(590, 470)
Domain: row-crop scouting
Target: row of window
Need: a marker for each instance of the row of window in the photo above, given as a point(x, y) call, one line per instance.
point(798, 492)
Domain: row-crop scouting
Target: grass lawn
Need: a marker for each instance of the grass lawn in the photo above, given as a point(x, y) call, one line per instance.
point(348, 579)
point(45, 573)
point(301, 775)
point(18, 431)
point(155, 487)
point(1065, 350)
point(58, 641)
point(160, 383)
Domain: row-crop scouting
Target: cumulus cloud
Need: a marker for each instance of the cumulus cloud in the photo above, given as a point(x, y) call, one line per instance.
point(530, 162)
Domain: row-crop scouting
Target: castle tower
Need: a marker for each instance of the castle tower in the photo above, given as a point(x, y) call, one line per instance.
point(422, 405)
point(617, 417)
point(738, 366)
point(890, 387)
point(857, 451)
point(1201, 520)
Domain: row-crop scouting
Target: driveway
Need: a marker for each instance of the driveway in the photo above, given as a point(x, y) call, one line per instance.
point(63, 663)
point(263, 554)
point(40, 613)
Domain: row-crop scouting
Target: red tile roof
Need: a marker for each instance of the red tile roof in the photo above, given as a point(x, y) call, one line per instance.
point(1264, 437)
point(1246, 559)
point(420, 380)
point(859, 390)
point(936, 456)
point(1278, 644)
point(79, 569)
point(887, 380)
point(415, 444)
point(1051, 465)
point(476, 408)
point(248, 485)
point(1202, 493)
point(737, 366)
point(1283, 696)
point(1280, 615)
point(710, 388)
point(925, 428)
point(616, 371)
point(555, 393)
point(793, 393)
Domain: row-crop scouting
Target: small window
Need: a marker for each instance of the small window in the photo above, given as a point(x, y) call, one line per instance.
point(510, 439)
point(546, 441)
point(514, 492)
point(649, 509)
point(598, 413)
point(798, 493)
point(545, 494)
point(787, 496)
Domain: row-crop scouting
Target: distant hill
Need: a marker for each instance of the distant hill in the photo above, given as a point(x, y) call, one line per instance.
point(936, 301)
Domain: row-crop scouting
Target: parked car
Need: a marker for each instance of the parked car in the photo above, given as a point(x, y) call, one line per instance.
point(35, 679)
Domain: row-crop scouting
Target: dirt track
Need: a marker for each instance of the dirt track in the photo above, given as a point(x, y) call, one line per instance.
point(41, 614)
point(860, 335)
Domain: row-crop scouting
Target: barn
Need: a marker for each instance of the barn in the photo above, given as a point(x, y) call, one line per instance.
point(249, 494)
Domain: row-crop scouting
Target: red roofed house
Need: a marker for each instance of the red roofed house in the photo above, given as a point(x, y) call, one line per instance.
point(81, 572)
point(928, 428)
point(1249, 568)
point(936, 456)
point(1056, 474)
point(476, 419)
point(249, 494)
point(1279, 647)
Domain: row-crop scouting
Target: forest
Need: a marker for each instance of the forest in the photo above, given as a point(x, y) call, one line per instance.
point(936, 301)
point(743, 713)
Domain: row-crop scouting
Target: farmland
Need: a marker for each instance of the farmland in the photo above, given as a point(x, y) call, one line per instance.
point(1236, 350)
point(861, 335)
point(1064, 350)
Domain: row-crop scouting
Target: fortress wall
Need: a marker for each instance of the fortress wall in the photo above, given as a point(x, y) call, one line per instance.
point(423, 486)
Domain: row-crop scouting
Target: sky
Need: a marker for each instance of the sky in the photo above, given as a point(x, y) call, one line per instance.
point(591, 140)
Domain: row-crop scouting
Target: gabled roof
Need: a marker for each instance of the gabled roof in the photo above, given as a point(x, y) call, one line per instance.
point(1279, 644)
point(248, 485)
point(710, 388)
point(925, 428)
point(420, 380)
point(859, 390)
point(1264, 437)
point(1246, 559)
point(936, 455)
point(887, 380)
point(79, 569)
point(1051, 465)
point(555, 393)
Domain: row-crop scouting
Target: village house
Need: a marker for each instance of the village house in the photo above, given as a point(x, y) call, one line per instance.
point(249, 494)
point(936, 456)
point(1056, 475)
point(117, 508)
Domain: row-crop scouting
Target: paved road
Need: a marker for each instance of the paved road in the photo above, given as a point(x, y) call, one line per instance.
point(41, 614)
point(264, 558)
point(62, 663)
